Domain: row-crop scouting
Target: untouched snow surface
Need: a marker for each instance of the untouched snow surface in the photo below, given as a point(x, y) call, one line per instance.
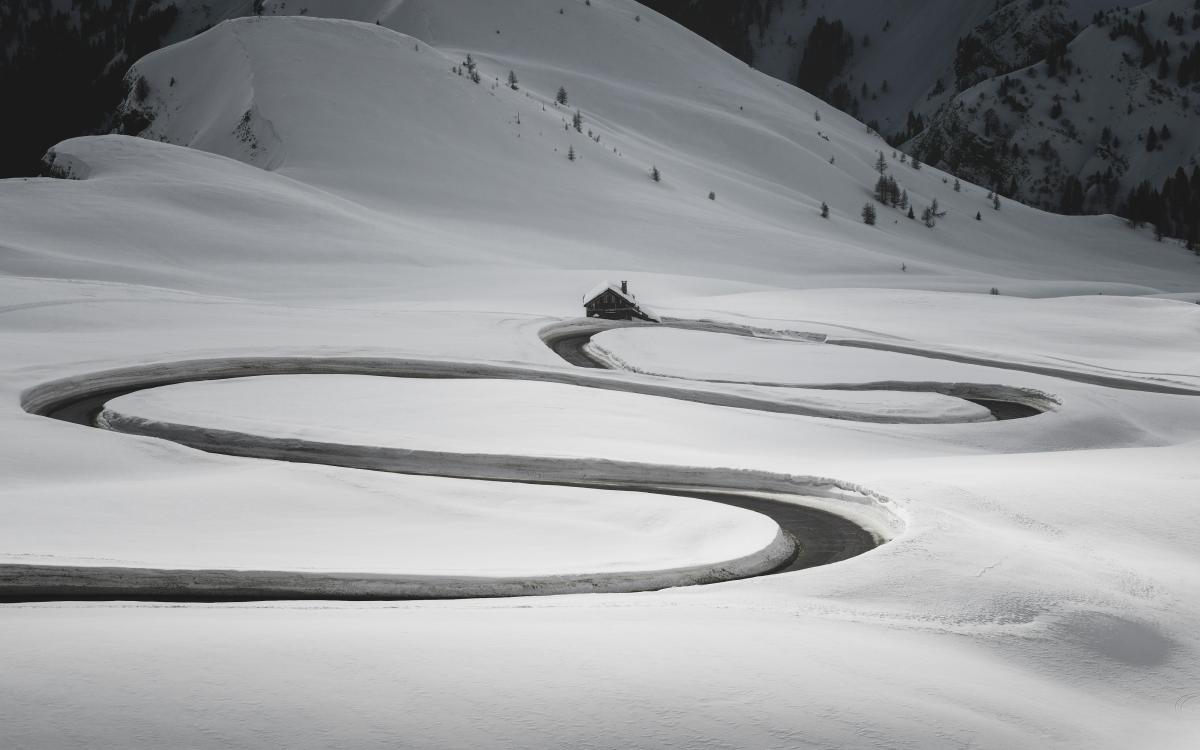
point(482, 416)
point(497, 417)
point(716, 356)
point(317, 519)
point(374, 203)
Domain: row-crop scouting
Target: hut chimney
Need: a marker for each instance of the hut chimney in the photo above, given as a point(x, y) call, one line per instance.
point(624, 287)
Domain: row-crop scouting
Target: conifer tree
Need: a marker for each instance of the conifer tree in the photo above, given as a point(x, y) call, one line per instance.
point(561, 96)
point(887, 191)
point(868, 214)
point(824, 210)
point(512, 81)
point(881, 189)
point(957, 185)
point(655, 174)
point(577, 121)
point(571, 153)
point(881, 164)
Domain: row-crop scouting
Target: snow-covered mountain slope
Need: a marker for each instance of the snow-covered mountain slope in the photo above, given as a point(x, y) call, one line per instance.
point(1073, 132)
point(913, 45)
point(420, 165)
point(913, 36)
point(1051, 101)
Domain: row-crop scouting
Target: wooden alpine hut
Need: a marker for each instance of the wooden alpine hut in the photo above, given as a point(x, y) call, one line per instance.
point(612, 301)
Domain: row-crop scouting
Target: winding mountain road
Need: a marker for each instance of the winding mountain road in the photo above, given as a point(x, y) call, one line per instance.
point(809, 536)
point(571, 344)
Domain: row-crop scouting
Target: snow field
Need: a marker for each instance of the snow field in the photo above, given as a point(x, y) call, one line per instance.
point(1041, 593)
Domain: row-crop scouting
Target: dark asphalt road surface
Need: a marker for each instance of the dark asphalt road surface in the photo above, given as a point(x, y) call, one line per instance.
point(821, 537)
point(571, 349)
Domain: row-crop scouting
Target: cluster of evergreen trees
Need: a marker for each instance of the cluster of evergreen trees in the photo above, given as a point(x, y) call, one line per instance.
point(1189, 66)
point(1179, 22)
point(968, 62)
point(1174, 210)
point(828, 50)
point(888, 192)
point(1188, 71)
point(62, 70)
point(914, 125)
point(471, 68)
point(1155, 138)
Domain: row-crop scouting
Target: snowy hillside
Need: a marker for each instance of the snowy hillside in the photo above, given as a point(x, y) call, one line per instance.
point(1073, 133)
point(423, 158)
